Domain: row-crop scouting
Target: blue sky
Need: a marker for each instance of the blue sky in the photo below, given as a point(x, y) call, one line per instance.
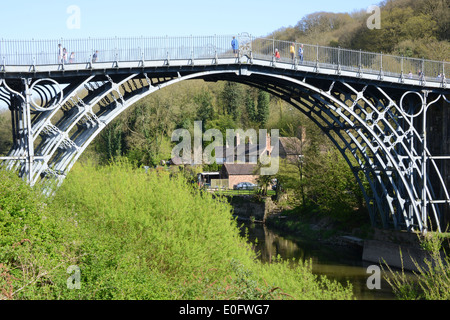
point(45, 19)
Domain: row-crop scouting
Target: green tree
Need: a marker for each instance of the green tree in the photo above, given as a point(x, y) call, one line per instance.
point(5, 132)
point(232, 98)
point(205, 111)
point(250, 107)
point(149, 128)
point(222, 123)
point(111, 142)
point(262, 107)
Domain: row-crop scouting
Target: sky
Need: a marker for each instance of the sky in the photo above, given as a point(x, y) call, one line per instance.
point(49, 19)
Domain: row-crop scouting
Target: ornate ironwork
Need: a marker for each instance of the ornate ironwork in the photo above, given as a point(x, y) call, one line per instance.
point(372, 120)
point(245, 44)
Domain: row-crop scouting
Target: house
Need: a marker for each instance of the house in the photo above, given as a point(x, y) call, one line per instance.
point(239, 172)
point(243, 153)
point(247, 153)
point(290, 148)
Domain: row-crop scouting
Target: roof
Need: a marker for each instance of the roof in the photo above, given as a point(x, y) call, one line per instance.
point(239, 168)
point(249, 149)
point(291, 145)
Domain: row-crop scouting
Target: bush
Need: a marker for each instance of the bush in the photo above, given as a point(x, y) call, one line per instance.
point(136, 236)
point(432, 279)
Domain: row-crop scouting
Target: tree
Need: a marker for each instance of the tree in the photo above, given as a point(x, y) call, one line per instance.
point(111, 142)
point(205, 111)
point(149, 127)
point(250, 107)
point(5, 132)
point(232, 99)
point(262, 107)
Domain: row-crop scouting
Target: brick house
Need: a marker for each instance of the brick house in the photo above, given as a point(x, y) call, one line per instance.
point(239, 172)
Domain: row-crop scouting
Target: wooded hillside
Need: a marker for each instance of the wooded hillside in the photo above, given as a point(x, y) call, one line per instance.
point(413, 28)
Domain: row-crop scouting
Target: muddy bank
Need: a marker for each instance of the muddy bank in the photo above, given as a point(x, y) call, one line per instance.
point(397, 249)
point(251, 208)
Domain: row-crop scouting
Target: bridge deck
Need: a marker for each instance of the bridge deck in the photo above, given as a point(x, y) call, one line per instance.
point(245, 65)
point(39, 58)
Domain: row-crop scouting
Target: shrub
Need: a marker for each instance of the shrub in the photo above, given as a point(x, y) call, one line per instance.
point(137, 235)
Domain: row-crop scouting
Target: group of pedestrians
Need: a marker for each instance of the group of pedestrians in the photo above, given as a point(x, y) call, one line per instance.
point(292, 52)
point(235, 47)
point(63, 57)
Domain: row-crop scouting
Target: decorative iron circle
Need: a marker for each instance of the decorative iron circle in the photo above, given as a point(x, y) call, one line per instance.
point(50, 95)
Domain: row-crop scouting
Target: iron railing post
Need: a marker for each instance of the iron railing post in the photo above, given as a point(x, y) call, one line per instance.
point(115, 49)
point(444, 83)
point(166, 49)
point(401, 69)
point(193, 49)
point(142, 50)
point(317, 57)
point(423, 69)
point(339, 60)
point(360, 63)
point(381, 65)
point(424, 163)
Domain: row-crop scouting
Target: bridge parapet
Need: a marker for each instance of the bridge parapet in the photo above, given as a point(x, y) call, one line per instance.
point(86, 53)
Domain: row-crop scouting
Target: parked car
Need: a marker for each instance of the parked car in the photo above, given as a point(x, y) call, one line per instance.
point(245, 186)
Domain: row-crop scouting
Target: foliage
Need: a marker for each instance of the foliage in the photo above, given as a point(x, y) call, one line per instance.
point(432, 279)
point(205, 111)
point(407, 27)
point(232, 97)
point(5, 132)
point(135, 235)
point(262, 107)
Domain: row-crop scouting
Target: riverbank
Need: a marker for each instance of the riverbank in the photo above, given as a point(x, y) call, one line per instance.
point(394, 248)
point(336, 262)
point(320, 228)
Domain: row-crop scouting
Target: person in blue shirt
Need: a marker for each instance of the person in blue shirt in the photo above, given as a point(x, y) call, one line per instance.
point(235, 46)
point(300, 53)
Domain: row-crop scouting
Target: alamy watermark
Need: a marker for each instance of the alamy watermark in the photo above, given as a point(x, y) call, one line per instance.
point(74, 281)
point(74, 20)
point(260, 147)
point(374, 21)
point(374, 280)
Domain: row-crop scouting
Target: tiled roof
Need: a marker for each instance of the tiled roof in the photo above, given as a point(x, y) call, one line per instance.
point(240, 168)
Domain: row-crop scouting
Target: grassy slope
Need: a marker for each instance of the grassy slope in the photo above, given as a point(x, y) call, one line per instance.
point(135, 236)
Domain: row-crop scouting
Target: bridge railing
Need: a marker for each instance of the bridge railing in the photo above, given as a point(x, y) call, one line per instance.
point(352, 60)
point(45, 52)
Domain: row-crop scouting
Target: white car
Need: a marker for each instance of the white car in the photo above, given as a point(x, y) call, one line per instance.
point(245, 186)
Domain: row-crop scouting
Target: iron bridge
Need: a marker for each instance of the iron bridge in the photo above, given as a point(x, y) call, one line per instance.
point(372, 106)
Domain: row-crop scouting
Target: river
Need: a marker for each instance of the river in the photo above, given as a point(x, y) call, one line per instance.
point(335, 261)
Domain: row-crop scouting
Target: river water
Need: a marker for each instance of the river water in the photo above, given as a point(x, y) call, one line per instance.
point(337, 262)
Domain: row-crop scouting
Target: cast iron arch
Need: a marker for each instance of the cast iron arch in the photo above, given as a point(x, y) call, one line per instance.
point(352, 111)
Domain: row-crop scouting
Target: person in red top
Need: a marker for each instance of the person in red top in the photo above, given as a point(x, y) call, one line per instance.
point(277, 55)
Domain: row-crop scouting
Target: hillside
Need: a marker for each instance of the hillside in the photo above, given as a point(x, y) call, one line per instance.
point(413, 28)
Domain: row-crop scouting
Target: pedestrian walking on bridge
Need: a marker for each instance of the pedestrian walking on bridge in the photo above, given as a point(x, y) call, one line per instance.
point(235, 46)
